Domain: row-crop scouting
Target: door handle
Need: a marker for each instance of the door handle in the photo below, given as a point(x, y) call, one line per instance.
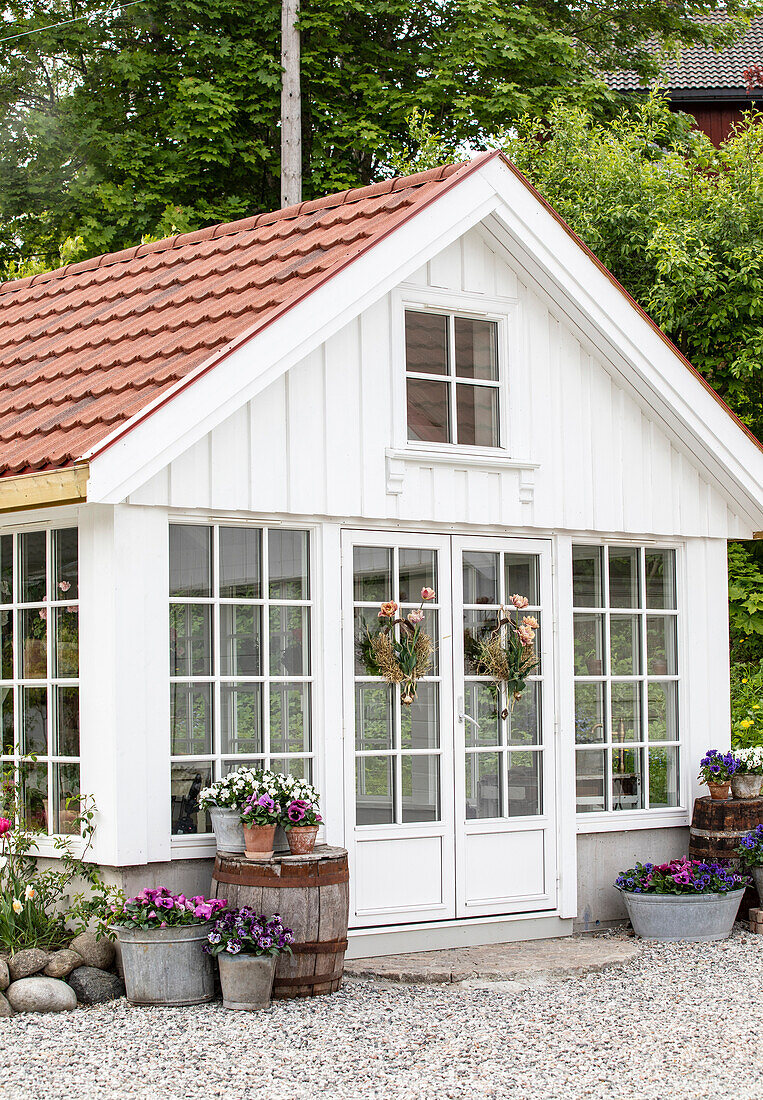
point(462, 717)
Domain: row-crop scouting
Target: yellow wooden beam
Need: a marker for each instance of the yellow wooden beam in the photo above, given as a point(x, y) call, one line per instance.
point(757, 534)
point(48, 487)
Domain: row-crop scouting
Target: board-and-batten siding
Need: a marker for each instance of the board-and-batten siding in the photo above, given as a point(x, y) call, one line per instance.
point(314, 442)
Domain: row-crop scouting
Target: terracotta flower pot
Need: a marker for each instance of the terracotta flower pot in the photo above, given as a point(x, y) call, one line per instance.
point(719, 790)
point(259, 841)
point(301, 839)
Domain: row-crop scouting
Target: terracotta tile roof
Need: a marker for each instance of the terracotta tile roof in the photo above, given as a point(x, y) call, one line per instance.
point(701, 68)
point(85, 348)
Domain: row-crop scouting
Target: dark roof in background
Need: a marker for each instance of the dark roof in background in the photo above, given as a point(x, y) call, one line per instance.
point(704, 70)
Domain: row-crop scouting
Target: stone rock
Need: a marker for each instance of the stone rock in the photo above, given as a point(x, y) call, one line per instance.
point(41, 995)
point(27, 962)
point(63, 962)
point(96, 953)
point(5, 974)
point(5, 1008)
point(94, 987)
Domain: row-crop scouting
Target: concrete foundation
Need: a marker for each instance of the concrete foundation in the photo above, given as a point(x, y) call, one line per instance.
point(180, 876)
point(601, 856)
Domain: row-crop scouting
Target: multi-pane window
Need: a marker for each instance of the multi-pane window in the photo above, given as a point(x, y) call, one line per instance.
point(39, 675)
point(504, 743)
point(451, 365)
point(397, 747)
point(626, 678)
point(240, 658)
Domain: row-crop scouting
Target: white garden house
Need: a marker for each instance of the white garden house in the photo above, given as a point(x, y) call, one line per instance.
point(223, 450)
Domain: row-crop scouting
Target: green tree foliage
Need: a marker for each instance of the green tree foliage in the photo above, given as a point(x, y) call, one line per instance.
point(681, 226)
point(678, 222)
point(159, 116)
point(746, 601)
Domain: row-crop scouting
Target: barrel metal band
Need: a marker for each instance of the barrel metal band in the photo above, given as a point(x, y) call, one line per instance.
point(714, 834)
point(309, 979)
point(325, 947)
point(243, 876)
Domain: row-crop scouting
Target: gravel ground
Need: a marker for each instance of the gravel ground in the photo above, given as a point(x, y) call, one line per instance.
point(680, 1021)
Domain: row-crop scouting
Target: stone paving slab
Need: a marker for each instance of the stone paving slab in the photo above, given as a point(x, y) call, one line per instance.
point(525, 961)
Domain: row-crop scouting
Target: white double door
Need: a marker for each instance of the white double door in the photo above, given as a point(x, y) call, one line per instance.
point(450, 802)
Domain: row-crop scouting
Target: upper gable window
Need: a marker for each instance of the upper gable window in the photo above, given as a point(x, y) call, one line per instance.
point(451, 366)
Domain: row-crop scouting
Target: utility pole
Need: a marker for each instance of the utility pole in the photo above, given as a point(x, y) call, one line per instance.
point(291, 106)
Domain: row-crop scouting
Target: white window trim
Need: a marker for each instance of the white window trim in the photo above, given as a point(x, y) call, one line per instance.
point(45, 843)
point(480, 307)
point(607, 821)
point(202, 845)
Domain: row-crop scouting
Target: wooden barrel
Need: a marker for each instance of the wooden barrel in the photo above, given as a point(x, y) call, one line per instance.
point(311, 893)
point(717, 826)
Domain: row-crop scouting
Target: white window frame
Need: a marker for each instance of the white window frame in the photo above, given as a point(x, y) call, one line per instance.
point(621, 820)
point(197, 843)
point(49, 683)
point(477, 307)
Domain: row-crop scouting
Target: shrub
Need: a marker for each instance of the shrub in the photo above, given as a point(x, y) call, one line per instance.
point(746, 705)
point(40, 908)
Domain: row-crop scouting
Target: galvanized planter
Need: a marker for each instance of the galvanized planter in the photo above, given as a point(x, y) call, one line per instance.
point(166, 966)
point(229, 832)
point(757, 878)
point(695, 918)
point(746, 786)
point(246, 981)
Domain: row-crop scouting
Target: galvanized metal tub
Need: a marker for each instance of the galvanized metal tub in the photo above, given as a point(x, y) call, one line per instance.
point(246, 981)
point(229, 832)
point(695, 918)
point(757, 878)
point(166, 966)
point(744, 787)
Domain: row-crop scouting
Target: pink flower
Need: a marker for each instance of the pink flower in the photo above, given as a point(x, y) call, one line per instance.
point(427, 593)
point(43, 613)
point(519, 601)
point(5, 826)
point(531, 621)
point(415, 616)
point(388, 609)
point(64, 586)
point(526, 636)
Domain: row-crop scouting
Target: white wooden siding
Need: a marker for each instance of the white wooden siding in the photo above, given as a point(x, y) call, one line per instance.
point(314, 442)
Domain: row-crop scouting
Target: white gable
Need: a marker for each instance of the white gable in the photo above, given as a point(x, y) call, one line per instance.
point(587, 450)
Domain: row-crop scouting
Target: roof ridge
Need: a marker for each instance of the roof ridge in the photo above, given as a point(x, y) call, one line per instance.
point(243, 225)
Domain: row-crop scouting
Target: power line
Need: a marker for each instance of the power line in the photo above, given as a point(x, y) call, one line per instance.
point(68, 22)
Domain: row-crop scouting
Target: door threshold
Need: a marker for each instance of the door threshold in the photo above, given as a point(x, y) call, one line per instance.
point(404, 939)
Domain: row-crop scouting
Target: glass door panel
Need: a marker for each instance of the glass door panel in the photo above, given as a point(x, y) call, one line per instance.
point(400, 757)
point(505, 846)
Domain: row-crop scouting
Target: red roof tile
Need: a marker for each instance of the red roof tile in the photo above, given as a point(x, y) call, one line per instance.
point(85, 348)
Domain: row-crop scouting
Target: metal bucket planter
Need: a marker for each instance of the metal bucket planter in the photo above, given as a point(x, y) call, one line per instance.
point(746, 786)
point(695, 918)
point(757, 878)
point(247, 981)
point(166, 966)
point(229, 832)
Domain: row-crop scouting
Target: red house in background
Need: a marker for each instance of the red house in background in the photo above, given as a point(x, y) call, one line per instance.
point(708, 84)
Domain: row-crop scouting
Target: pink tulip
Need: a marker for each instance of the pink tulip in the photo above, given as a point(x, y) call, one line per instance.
point(5, 826)
point(415, 616)
point(427, 593)
point(519, 601)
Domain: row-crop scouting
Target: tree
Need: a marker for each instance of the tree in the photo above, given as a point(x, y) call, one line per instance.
point(163, 115)
point(680, 224)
